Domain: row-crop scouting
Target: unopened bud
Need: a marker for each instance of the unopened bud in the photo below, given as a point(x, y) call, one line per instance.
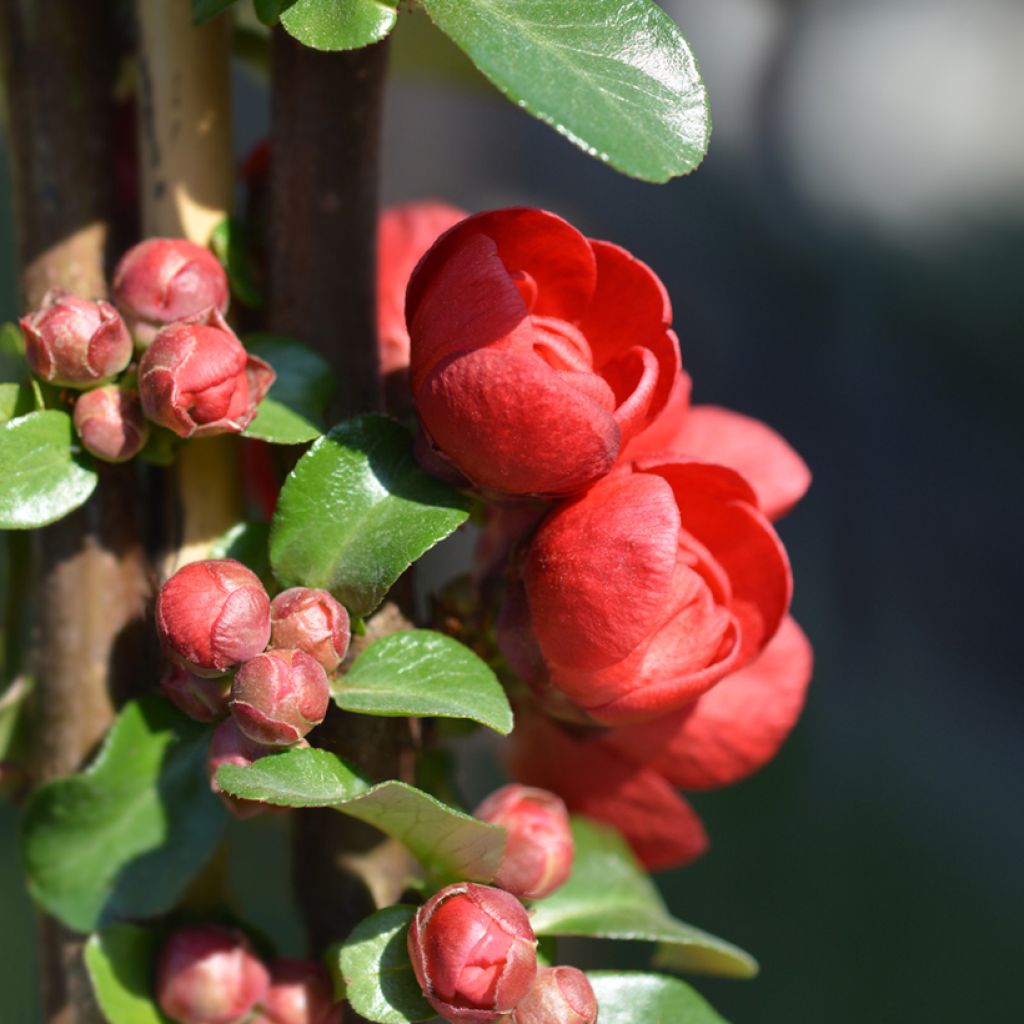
point(277, 697)
point(560, 995)
point(209, 975)
point(213, 614)
point(75, 343)
point(110, 423)
point(473, 952)
point(229, 745)
point(162, 280)
point(197, 379)
point(539, 851)
point(310, 620)
point(202, 699)
point(300, 993)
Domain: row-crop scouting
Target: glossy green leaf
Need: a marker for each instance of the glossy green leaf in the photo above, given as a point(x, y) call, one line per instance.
point(43, 478)
point(339, 24)
point(120, 960)
point(293, 411)
point(357, 510)
point(610, 896)
point(445, 840)
point(424, 674)
point(615, 77)
point(15, 400)
point(632, 997)
point(246, 543)
point(232, 245)
point(125, 837)
point(204, 10)
point(378, 976)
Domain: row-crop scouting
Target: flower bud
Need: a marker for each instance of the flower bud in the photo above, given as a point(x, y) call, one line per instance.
point(197, 379)
point(205, 700)
point(538, 854)
point(208, 975)
point(229, 745)
point(162, 280)
point(110, 423)
point(211, 615)
point(277, 697)
point(300, 993)
point(75, 343)
point(312, 621)
point(560, 995)
point(473, 952)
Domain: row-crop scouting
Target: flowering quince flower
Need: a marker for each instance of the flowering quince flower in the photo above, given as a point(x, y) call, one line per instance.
point(560, 995)
point(639, 595)
point(778, 475)
point(300, 993)
point(536, 353)
point(625, 776)
point(229, 745)
point(404, 234)
point(110, 423)
point(163, 280)
point(197, 379)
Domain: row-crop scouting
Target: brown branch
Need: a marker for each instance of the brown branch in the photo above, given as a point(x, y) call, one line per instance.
point(90, 574)
point(326, 114)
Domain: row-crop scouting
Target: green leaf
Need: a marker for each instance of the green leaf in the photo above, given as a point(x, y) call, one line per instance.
point(15, 400)
point(43, 479)
point(204, 10)
point(268, 11)
point(378, 975)
point(13, 368)
point(631, 997)
point(246, 542)
point(126, 836)
point(357, 511)
point(425, 674)
point(610, 896)
point(339, 24)
point(448, 842)
point(615, 77)
point(121, 961)
point(232, 245)
point(293, 411)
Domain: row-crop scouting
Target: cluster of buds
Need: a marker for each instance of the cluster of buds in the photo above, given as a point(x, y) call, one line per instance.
point(193, 375)
point(215, 620)
point(211, 975)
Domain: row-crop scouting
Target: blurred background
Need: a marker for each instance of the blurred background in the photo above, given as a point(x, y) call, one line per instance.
point(848, 265)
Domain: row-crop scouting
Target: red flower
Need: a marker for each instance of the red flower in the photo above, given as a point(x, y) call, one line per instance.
point(641, 594)
point(778, 475)
point(300, 993)
point(625, 776)
point(197, 379)
point(537, 354)
point(110, 423)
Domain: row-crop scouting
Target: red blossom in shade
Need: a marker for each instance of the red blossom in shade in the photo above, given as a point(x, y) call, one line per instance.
point(778, 475)
point(473, 952)
point(537, 354)
point(75, 343)
point(560, 995)
point(229, 745)
point(197, 379)
point(202, 699)
point(162, 280)
point(405, 233)
point(645, 591)
point(110, 423)
point(300, 993)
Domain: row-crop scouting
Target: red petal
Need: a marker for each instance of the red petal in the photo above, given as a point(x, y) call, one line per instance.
point(734, 729)
point(600, 570)
point(659, 437)
point(512, 424)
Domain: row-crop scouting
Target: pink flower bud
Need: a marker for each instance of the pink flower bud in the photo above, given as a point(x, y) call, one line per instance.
point(205, 700)
point(162, 280)
point(473, 951)
point(75, 343)
point(538, 854)
point(110, 423)
point(213, 614)
point(197, 379)
point(560, 995)
point(209, 975)
point(312, 621)
point(300, 993)
point(277, 697)
point(229, 745)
